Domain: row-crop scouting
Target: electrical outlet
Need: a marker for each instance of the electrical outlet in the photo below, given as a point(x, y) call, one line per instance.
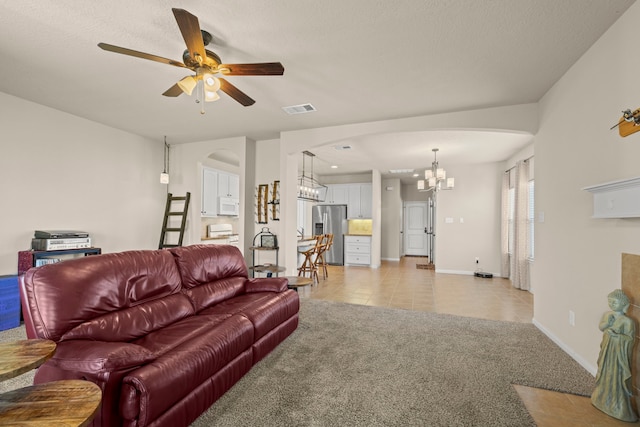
point(477, 260)
point(572, 318)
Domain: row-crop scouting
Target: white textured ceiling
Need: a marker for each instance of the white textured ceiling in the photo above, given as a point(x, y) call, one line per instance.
point(354, 60)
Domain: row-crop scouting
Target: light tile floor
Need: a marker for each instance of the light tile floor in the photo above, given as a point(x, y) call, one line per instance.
point(403, 285)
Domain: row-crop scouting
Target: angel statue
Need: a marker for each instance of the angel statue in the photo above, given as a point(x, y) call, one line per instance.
point(612, 393)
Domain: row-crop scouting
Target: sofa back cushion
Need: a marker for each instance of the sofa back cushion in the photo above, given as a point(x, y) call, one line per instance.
point(210, 273)
point(199, 264)
point(62, 296)
point(134, 322)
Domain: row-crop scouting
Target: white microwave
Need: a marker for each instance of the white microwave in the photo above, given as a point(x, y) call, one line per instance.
point(228, 206)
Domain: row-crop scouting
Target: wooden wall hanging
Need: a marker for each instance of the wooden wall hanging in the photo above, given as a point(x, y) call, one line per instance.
point(261, 206)
point(275, 201)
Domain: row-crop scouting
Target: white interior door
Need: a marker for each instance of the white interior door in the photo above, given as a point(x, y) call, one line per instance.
point(416, 239)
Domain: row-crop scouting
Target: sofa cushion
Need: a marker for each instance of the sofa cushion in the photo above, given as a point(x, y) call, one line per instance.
point(209, 294)
point(200, 264)
point(154, 388)
point(134, 322)
point(266, 284)
point(265, 310)
point(97, 356)
point(166, 339)
point(64, 295)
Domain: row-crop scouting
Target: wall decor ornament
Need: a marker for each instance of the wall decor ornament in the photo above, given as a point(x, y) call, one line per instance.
point(275, 201)
point(261, 203)
point(629, 122)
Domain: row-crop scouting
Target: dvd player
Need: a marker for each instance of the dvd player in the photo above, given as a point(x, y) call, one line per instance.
point(59, 234)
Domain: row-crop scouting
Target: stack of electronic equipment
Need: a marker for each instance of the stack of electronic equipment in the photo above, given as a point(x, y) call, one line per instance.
point(60, 240)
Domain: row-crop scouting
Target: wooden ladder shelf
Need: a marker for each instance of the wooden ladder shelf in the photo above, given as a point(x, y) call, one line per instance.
point(180, 215)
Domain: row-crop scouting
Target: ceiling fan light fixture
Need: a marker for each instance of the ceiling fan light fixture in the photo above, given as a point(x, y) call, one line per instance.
point(211, 87)
point(210, 82)
point(203, 62)
point(187, 84)
point(210, 96)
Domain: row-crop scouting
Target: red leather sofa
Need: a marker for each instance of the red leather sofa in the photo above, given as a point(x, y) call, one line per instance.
point(164, 333)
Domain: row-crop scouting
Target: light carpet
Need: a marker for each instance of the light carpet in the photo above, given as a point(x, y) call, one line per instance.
point(351, 365)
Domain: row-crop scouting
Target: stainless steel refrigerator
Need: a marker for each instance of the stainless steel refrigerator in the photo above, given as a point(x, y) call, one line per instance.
point(331, 219)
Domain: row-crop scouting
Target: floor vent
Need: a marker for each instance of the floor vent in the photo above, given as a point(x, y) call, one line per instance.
point(299, 109)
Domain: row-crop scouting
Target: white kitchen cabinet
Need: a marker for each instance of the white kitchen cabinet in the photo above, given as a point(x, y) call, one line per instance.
point(216, 184)
point(337, 194)
point(209, 192)
point(357, 250)
point(360, 199)
point(228, 185)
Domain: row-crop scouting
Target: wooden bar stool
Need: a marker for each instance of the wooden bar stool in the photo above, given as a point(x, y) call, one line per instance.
point(309, 263)
point(321, 263)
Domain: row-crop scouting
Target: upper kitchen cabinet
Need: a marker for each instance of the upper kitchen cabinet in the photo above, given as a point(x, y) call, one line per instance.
point(209, 192)
point(337, 194)
point(360, 200)
point(228, 185)
point(220, 193)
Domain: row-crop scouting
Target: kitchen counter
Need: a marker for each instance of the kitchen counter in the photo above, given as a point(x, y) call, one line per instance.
point(357, 234)
point(226, 236)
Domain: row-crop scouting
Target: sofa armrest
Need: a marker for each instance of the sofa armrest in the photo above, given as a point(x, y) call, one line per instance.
point(99, 356)
point(266, 284)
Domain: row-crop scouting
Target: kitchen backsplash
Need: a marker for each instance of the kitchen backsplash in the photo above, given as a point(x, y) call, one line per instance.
point(360, 226)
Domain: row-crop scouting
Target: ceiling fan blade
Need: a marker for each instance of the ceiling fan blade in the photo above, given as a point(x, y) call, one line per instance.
point(190, 29)
point(235, 93)
point(258, 69)
point(173, 91)
point(130, 52)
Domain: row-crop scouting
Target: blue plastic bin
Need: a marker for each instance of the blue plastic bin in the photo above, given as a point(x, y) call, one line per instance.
point(9, 302)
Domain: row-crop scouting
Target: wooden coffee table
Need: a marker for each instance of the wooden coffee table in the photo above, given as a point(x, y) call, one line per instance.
point(18, 357)
point(66, 402)
point(296, 282)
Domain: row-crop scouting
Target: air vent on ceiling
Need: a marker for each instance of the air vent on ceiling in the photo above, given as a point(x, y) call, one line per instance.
point(342, 147)
point(400, 170)
point(299, 109)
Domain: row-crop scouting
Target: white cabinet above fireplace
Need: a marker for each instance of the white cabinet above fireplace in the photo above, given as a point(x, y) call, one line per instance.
point(616, 199)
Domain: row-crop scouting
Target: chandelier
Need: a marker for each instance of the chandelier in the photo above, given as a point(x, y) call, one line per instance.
point(435, 177)
point(308, 187)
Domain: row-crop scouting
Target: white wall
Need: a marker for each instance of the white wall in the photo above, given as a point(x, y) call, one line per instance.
point(391, 219)
point(267, 171)
point(474, 207)
point(578, 258)
point(59, 171)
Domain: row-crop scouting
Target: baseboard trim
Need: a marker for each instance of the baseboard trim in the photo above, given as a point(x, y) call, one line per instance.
point(593, 370)
point(390, 259)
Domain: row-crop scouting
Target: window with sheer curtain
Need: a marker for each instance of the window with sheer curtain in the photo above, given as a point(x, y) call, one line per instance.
point(531, 216)
point(518, 214)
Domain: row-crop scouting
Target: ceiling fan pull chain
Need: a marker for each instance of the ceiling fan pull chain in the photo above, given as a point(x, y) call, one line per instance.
point(202, 96)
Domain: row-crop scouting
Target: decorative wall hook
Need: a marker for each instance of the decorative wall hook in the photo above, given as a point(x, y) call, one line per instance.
point(629, 122)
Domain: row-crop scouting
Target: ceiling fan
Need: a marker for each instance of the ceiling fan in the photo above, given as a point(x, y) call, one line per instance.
point(204, 64)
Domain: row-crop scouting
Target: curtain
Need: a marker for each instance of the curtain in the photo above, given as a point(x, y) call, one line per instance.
point(519, 267)
point(504, 244)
